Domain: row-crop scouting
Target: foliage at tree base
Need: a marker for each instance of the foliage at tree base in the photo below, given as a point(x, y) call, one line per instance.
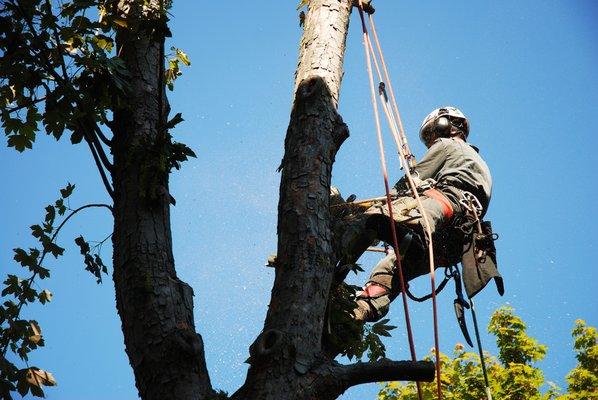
point(511, 375)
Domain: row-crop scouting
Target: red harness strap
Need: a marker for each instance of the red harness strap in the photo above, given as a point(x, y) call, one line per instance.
point(447, 208)
point(372, 290)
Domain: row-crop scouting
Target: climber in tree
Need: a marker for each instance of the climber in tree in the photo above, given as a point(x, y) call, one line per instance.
point(451, 171)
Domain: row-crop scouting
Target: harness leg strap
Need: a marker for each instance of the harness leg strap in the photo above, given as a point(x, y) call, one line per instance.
point(447, 207)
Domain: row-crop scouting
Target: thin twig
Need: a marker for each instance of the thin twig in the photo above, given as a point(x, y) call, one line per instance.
point(29, 103)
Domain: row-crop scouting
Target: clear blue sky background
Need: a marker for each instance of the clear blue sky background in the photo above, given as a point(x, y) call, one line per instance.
point(525, 73)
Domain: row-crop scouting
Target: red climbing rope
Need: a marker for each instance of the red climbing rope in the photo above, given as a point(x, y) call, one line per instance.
point(407, 161)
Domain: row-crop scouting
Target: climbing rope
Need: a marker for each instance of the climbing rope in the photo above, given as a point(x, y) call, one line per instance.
point(407, 161)
point(395, 241)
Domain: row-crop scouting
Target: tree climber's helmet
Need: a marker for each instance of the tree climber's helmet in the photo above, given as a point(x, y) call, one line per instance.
point(443, 122)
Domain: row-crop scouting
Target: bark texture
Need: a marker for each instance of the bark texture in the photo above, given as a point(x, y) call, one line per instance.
point(322, 47)
point(287, 360)
point(155, 307)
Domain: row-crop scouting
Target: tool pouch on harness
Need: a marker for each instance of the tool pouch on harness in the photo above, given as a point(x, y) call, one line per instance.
point(479, 262)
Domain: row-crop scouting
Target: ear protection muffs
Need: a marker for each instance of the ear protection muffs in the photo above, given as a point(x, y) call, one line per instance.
point(442, 127)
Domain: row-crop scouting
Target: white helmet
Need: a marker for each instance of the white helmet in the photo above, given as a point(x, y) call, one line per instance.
point(439, 122)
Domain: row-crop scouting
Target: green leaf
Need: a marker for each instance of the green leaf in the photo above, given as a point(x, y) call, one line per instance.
point(93, 263)
point(120, 22)
point(26, 259)
point(37, 231)
point(103, 42)
point(67, 191)
point(118, 73)
point(28, 293)
point(382, 329)
point(13, 285)
point(11, 125)
point(45, 296)
point(98, 260)
point(183, 57)
point(53, 249)
point(42, 272)
point(22, 385)
point(60, 207)
point(80, 23)
point(83, 245)
point(35, 333)
point(50, 214)
point(48, 228)
point(20, 142)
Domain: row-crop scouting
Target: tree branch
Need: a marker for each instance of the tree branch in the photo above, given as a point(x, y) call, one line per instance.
point(101, 135)
point(94, 149)
point(29, 281)
point(100, 168)
point(385, 370)
point(98, 146)
point(28, 104)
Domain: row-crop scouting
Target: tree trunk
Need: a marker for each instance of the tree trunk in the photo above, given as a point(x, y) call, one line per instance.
point(155, 307)
point(287, 359)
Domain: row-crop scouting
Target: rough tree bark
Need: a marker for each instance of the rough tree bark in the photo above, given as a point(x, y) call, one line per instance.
point(155, 307)
point(287, 360)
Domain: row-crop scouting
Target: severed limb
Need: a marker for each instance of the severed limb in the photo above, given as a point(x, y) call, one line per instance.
point(385, 370)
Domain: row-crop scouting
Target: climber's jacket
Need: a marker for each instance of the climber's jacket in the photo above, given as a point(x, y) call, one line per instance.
point(456, 166)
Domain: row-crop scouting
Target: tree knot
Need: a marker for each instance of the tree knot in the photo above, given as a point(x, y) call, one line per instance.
point(268, 343)
point(311, 86)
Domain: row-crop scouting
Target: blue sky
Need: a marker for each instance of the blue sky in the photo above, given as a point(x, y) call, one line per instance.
point(523, 72)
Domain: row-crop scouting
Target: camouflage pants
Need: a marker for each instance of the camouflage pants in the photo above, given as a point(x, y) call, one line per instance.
point(357, 231)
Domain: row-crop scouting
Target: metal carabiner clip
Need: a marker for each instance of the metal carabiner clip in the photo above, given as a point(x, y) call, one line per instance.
point(471, 203)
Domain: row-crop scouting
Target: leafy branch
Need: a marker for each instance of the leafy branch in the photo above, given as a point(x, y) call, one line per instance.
point(348, 337)
point(175, 58)
point(512, 373)
point(80, 94)
point(62, 69)
point(19, 335)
